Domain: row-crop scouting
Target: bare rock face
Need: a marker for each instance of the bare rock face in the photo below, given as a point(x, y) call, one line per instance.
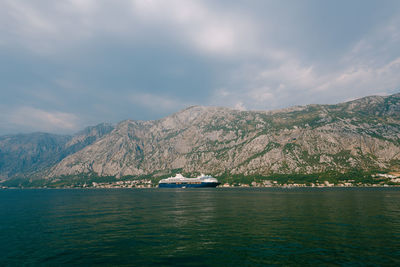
point(361, 134)
point(24, 155)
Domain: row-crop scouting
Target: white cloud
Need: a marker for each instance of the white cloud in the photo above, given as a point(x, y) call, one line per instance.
point(255, 58)
point(48, 27)
point(207, 29)
point(371, 66)
point(240, 106)
point(33, 119)
point(294, 84)
point(365, 78)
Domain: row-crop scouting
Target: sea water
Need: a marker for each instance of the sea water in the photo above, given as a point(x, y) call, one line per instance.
point(200, 227)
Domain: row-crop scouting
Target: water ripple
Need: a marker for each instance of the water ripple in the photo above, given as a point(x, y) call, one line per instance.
point(213, 227)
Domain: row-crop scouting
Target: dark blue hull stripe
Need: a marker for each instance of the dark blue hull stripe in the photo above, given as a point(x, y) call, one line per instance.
point(172, 185)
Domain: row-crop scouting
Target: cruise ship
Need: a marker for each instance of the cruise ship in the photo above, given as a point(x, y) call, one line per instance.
point(182, 182)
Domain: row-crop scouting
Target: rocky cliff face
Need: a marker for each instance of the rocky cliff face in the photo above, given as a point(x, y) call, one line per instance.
point(362, 134)
point(24, 154)
point(29, 154)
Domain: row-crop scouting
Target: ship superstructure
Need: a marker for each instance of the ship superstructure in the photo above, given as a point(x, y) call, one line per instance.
point(182, 182)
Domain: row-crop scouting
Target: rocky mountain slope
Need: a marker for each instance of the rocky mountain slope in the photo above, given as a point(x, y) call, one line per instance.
point(27, 154)
point(360, 134)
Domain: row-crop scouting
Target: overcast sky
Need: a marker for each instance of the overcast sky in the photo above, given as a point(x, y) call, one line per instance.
point(65, 64)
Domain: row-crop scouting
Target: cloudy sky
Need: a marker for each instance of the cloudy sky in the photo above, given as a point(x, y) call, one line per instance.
point(68, 64)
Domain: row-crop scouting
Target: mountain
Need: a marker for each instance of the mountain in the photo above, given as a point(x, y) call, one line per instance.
point(24, 154)
point(29, 154)
point(362, 134)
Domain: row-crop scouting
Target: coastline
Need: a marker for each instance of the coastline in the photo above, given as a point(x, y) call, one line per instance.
point(218, 187)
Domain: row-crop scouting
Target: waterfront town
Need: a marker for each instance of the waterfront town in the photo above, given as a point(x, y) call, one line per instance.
point(379, 180)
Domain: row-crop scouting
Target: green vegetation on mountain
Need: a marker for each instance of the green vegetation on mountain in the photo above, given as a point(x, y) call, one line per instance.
point(305, 144)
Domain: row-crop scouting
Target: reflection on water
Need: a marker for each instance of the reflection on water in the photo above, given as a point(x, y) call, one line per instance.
point(198, 227)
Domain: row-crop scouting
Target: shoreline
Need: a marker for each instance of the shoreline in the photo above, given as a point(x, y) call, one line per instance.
point(219, 187)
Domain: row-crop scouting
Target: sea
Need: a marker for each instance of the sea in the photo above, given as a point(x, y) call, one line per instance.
point(200, 227)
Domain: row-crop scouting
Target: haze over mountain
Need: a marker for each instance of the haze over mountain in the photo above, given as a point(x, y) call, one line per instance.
point(361, 134)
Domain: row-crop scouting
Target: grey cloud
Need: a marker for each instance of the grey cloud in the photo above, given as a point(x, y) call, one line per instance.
point(109, 61)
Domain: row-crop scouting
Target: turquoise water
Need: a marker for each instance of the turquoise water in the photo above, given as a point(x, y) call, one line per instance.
point(200, 227)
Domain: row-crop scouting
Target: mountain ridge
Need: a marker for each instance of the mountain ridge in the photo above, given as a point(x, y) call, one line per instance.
point(358, 134)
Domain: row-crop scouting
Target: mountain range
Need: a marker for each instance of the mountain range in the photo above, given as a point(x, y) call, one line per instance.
point(362, 134)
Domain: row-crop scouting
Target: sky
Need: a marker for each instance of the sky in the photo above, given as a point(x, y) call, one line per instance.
point(65, 65)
